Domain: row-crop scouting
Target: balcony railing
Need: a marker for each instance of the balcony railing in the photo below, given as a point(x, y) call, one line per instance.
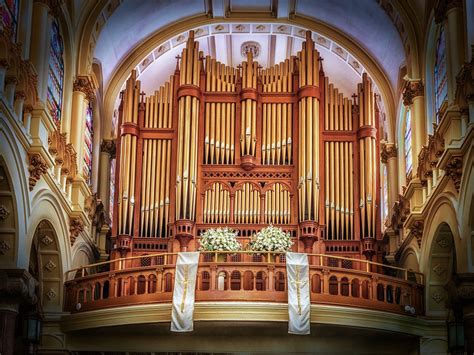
point(245, 276)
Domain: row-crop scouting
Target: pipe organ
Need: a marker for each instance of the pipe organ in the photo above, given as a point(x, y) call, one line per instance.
point(245, 147)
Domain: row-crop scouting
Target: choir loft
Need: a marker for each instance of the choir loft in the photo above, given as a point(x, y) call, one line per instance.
point(235, 176)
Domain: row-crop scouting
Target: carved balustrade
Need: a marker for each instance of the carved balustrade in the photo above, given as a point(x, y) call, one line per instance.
point(245, 276)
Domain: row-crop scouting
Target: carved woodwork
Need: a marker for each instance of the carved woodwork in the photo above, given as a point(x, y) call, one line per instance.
point(37, 167)
point(453, 169)
point(76, 226)
point(416, 230)
point(244, 147)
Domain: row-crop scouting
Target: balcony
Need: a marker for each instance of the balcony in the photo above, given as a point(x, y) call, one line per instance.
point(245, 277)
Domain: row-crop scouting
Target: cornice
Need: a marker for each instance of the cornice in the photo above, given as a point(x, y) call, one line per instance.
point(253, 312)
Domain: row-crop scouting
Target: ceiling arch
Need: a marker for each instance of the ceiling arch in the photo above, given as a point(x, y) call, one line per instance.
point(366, 22)
point(365, 31)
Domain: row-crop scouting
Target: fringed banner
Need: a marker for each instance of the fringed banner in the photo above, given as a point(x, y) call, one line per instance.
point(183, 293)
point(297, 270)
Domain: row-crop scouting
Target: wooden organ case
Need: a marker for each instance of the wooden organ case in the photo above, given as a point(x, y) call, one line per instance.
point(245, 147)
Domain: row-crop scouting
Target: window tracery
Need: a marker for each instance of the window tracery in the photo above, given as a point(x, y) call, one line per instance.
point(55, 73)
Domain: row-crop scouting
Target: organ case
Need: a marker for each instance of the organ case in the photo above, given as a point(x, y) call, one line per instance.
point(245, 147)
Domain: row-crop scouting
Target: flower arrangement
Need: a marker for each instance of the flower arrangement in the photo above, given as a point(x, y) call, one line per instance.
point(220, 239)
point(271, 239)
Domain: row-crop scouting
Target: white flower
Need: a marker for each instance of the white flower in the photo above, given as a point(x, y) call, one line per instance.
point(271, 239)
point(220, 239)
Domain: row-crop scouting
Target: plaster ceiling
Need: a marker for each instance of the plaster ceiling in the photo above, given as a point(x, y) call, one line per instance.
point(364, 21)
point(276, 43)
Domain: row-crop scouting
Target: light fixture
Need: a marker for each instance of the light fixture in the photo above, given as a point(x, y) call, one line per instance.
point(455, 335)
point(32, 328)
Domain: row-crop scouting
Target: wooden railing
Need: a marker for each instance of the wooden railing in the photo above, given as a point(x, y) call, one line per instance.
point(245, 276)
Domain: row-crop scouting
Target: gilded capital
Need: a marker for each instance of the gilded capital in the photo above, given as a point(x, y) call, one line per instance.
point(108, 146)
point(84, 85)
point(412, 89)
point(388, 151)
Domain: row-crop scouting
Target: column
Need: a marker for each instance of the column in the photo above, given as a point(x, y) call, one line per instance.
point(83, 93)
point(39, 49)
point(17, 287)
point(107, 153)
point(413, 97)
point(389, 157)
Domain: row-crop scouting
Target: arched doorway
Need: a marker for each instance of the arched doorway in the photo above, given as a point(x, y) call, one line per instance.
point(46, 267)
point(442, 266)
point(8, 219)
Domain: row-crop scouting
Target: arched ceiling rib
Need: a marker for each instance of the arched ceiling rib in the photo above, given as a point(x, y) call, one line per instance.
point(364, 21)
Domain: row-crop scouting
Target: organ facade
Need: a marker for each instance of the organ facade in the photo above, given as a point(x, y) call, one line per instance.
point(245, 147)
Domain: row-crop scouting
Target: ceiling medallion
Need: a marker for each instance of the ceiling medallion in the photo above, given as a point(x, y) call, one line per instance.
point(250, 46)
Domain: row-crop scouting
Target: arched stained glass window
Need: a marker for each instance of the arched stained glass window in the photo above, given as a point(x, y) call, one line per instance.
point(55, 73)
point(9, 10)
point(88, 145)
point(440, 74)
point(408, 155)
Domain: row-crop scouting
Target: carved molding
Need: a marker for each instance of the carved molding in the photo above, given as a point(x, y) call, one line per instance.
point(443, 6)
point(416, 230)
point(69, 166)
point(465, 83)
point(37, 168)
point(108, 146)
point(411, 90)
point(453, 169)
point(388, 151)
point(4, 247)
point(400, 212)
point(75, 228)
point(84, 85)
point(17, 285)
point(4, 213)
point(25, 77)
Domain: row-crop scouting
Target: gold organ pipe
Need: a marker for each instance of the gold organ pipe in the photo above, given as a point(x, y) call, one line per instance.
point(337, 185)
point(351, 193)
point(347, 192)
point(326, 186)
point(157, 188)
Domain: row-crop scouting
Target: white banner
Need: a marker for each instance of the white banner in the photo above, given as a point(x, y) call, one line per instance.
point(183, 293)
point(297, 270)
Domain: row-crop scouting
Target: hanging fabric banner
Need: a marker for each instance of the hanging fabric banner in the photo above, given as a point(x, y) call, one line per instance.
point(183, 293)
point(297, 270)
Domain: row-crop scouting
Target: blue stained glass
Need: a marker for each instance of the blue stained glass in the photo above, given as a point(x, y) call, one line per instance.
point(88, 136)
point(440, 73)
point(55, 73)
point(408, 155)
point(9, 10)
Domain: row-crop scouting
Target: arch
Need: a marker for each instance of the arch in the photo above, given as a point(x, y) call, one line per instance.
point(205, 281)
point(45, 206)
point(441, 267)
point(333, 285)
point(235, 280)
point(140, 51)
point(46, 267)
point(8, 218)
point(261, 281)
point(12, 160)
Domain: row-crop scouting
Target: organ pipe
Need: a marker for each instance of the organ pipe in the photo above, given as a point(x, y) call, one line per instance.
point(166, 161)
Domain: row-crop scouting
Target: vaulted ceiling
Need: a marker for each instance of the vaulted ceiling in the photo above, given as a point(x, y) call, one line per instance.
point(365, 22)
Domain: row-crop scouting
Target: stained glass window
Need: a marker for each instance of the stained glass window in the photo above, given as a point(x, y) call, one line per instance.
point(112, 189)
point(9, 14)
point(88, 145)
point(440, 73)
point(408, 157)
point(55, 73)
